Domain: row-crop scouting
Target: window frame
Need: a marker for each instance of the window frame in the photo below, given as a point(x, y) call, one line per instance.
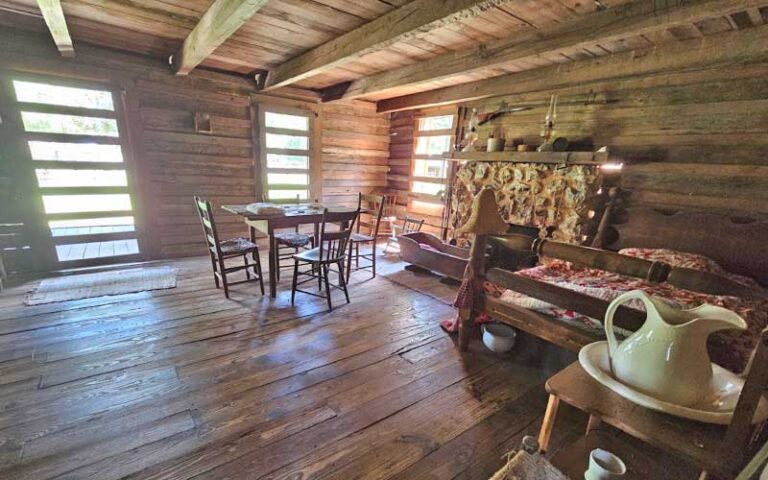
point(310, 152)
point(417, 133)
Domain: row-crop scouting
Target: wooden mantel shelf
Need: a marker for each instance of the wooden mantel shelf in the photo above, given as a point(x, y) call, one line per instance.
point(569, 158)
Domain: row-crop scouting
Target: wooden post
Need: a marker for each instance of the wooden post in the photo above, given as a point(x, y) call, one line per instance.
point(484, 220)
point(477, 268)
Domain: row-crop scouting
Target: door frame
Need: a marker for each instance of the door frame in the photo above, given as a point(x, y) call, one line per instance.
point(30, 205)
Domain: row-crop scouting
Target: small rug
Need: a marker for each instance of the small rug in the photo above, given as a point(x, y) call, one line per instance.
point(426, 283)
point(77, 287)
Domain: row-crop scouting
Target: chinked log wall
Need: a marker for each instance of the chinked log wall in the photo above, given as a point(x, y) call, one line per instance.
point(174, 162)
point(691, 140)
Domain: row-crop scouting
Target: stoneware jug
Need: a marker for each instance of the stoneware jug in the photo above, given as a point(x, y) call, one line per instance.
point(667, 357)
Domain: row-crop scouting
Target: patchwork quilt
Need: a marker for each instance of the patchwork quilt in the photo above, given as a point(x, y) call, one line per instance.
point(728, 348)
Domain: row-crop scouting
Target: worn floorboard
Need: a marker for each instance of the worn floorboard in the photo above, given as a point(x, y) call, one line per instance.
point(182, 383)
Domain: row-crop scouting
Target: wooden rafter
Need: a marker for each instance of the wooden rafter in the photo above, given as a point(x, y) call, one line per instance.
point(220, 21)
point(57, 25)
point(632, 19)
point(729, 48)
point(412, 19)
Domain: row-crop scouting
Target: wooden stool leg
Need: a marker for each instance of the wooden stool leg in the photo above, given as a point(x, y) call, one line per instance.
point(548, 424)
point(592, 424)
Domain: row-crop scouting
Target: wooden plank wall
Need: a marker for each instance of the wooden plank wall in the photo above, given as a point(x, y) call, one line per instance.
point(174, 162)
point(181, 163)
point(690, 140)
point(355, 150)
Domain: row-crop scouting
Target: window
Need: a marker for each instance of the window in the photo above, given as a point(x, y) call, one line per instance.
point(286, 137)
point(433, 138)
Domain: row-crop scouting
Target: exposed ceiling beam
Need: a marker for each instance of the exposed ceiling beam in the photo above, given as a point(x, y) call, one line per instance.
point(410, 20)
point(220, 21)
point(723, 50)
point(613, 24)
point(57, 25)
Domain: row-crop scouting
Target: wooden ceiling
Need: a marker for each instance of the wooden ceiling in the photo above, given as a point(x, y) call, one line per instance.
point(282, 30)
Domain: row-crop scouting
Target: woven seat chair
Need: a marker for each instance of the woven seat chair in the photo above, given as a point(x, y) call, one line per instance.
point(219, 251)
point(372, 206)
point(331, 251)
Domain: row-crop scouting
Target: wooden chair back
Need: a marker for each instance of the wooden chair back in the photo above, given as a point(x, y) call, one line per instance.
point(411, 225)
point(372, 206)
point(390, 206)
point(333, 245)
point(205, 211)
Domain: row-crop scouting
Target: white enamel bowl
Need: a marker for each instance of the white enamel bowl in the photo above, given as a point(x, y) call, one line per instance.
point(716, 407)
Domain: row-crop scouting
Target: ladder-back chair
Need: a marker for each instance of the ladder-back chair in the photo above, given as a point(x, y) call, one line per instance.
point(331, 250)
point(410, 225)
point(288, 243)
point(372, 206)
point(220, 251)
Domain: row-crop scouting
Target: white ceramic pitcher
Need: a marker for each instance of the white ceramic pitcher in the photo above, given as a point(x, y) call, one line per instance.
point(667, 357)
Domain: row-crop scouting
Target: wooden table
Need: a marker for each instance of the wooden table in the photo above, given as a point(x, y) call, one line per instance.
point(697, 443)
point(294, 216)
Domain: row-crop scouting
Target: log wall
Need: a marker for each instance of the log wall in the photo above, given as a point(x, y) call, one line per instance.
point(173, 162)
point(690, 140)
point(693, 140)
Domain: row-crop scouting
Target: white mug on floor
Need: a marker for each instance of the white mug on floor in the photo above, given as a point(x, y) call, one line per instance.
point(603, 465)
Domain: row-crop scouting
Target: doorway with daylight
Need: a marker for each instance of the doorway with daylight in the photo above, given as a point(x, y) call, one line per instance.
point(75, 196)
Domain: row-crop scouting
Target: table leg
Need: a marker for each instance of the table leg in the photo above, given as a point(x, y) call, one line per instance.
point(272, 266)
point(548, 424)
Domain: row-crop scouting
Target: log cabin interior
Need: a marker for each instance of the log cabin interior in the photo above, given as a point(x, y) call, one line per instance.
point(383, 239)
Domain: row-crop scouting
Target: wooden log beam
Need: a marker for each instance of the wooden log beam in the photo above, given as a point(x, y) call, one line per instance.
point(627, 20)
point(220, 21)
point(415, 18)
point(57, 25)
point(721, 50)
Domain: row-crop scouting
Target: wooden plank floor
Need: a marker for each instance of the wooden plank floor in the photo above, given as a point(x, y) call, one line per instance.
point(183, 383)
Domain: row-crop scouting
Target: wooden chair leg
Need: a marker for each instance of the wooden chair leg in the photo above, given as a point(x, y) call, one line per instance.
point(373, 257)
point(349, 261)
point(342, 281)
point(295, 278)
point(357, 256)
point(257, 268)
point(327, 287)
point(247, 270)
point(548, 424)
point(224, 281)
point(215, 277)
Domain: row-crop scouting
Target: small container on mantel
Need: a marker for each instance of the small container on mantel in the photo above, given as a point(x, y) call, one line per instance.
point(495, 144)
